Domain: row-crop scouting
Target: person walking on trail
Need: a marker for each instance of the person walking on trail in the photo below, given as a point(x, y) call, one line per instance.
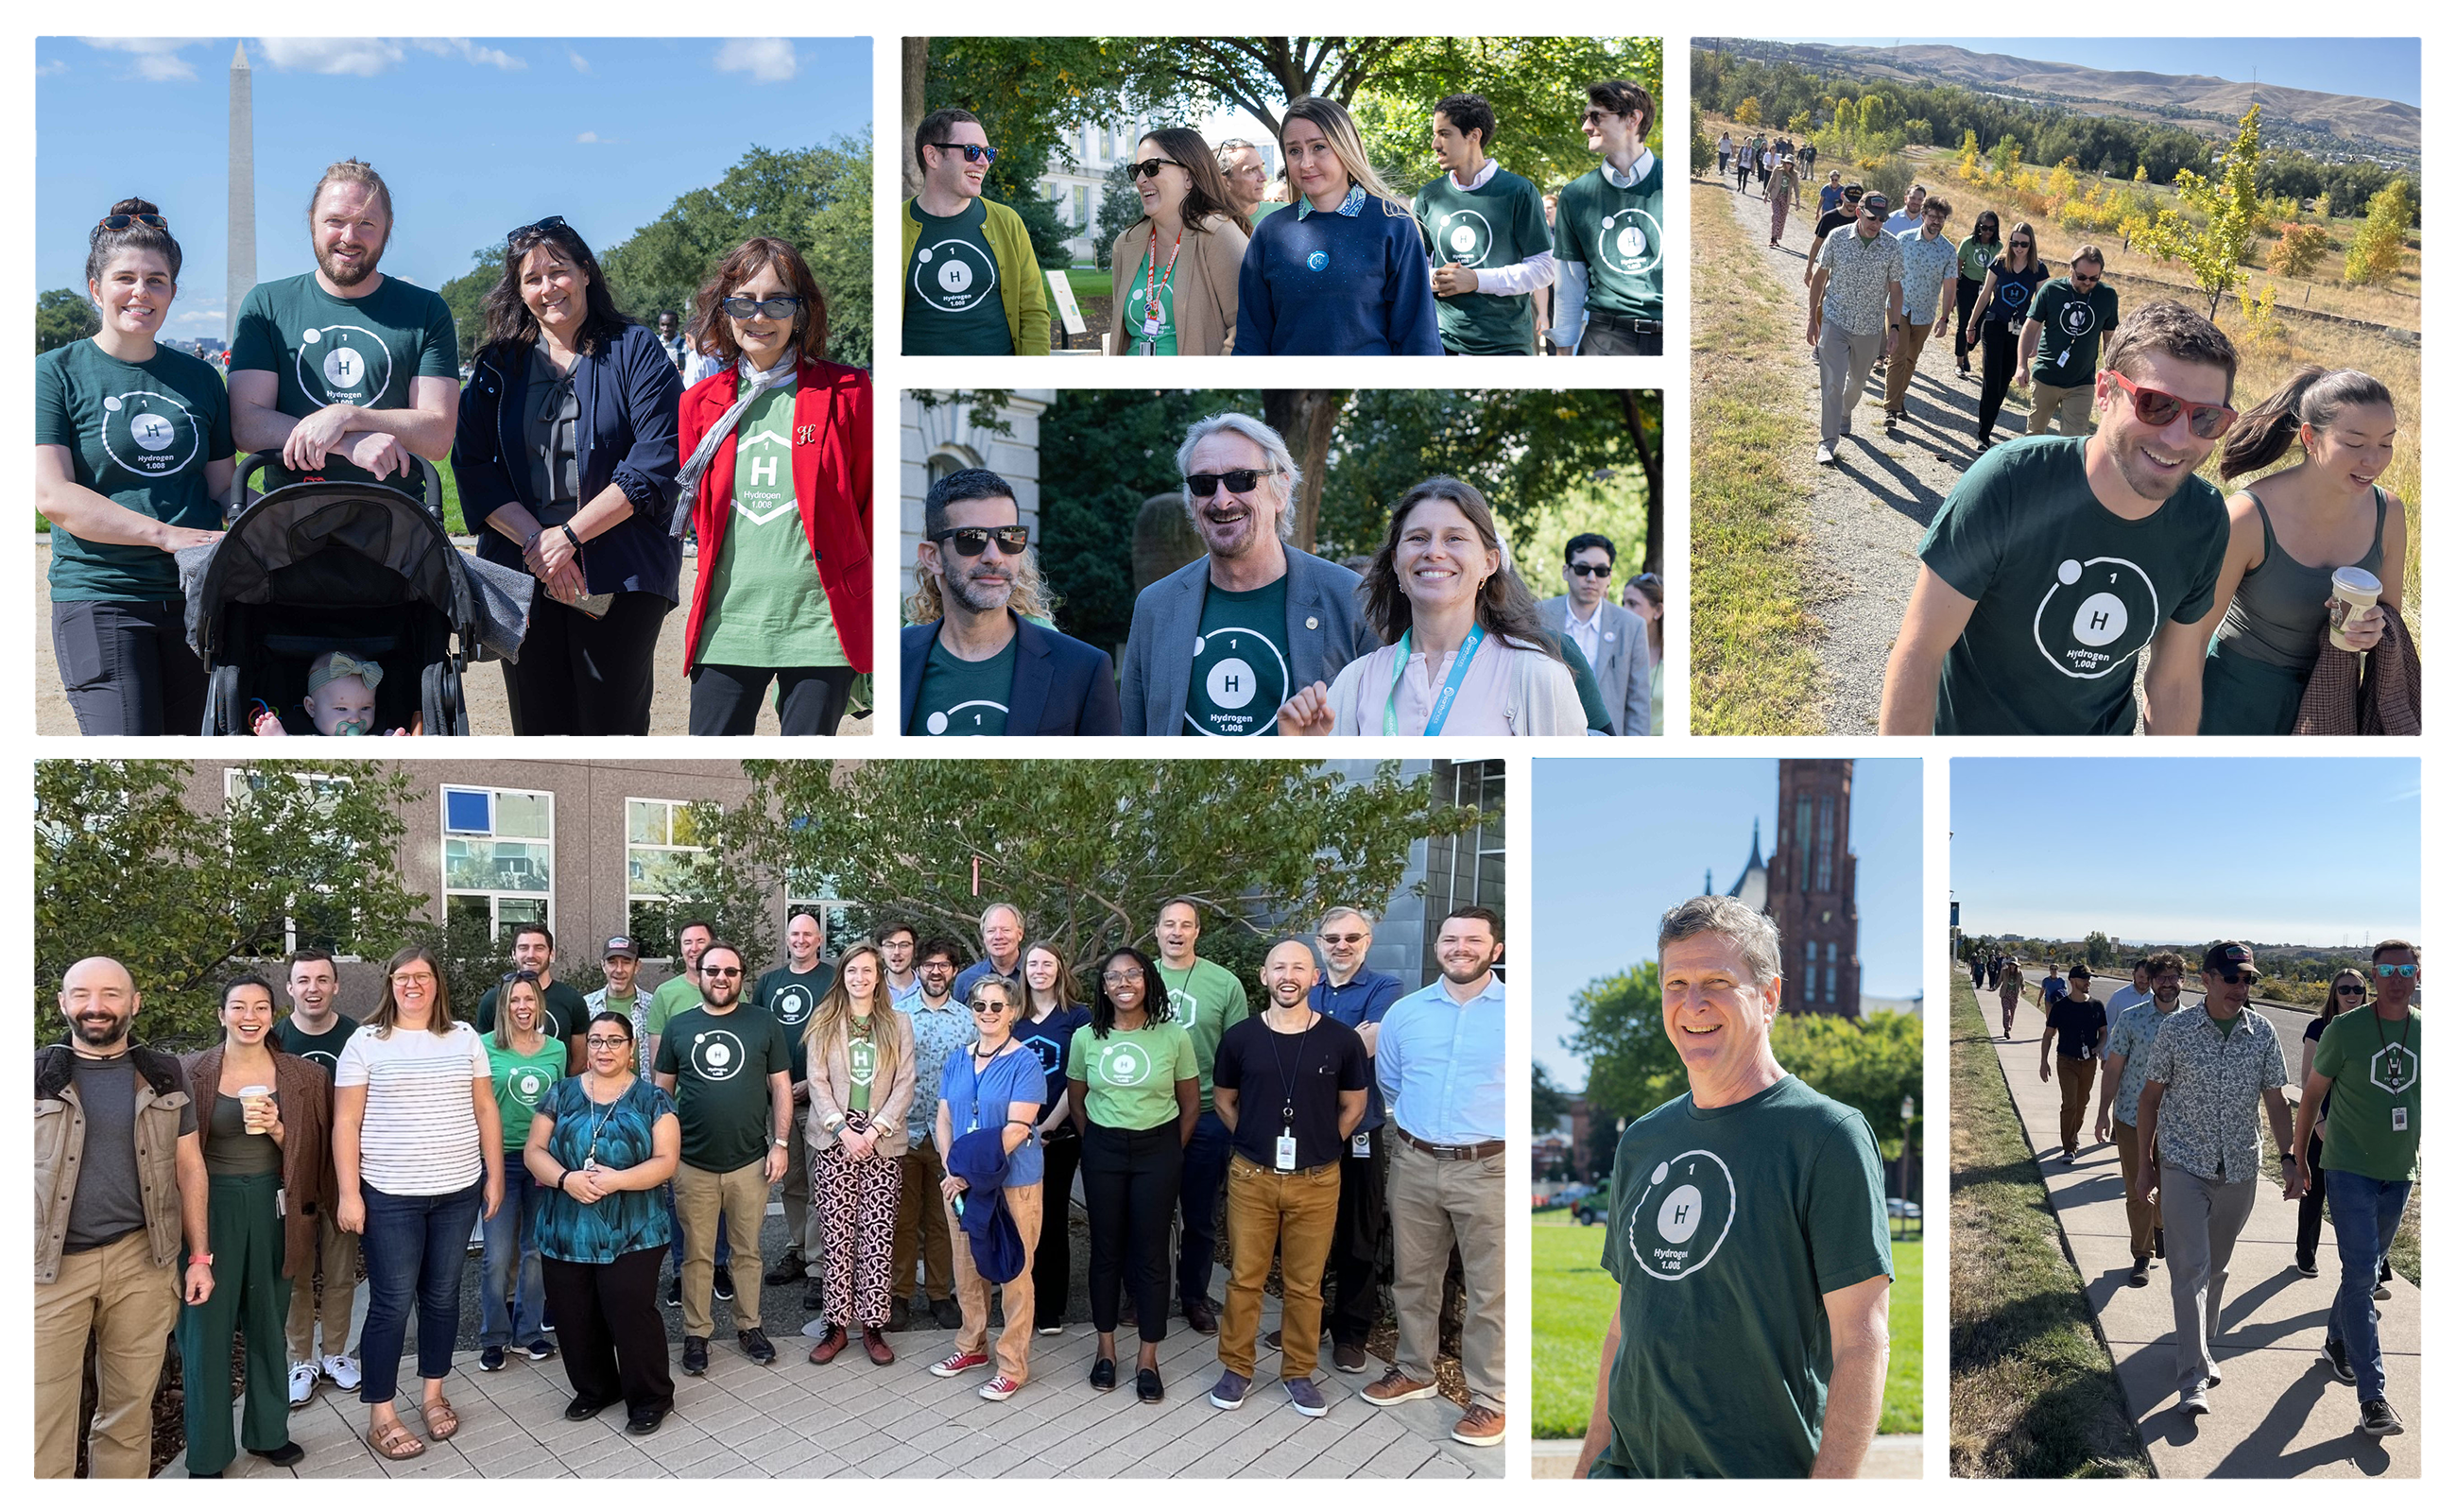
point(1723, 155)
point(1929, 261)
point(2369, 1070)
point(2348, 990)
point(1858, 281)
point(2009, 993)
point(2132, 992)
point(2060, 344)
point(2120, 1105)
point(1782, 193)
point(2210, 1070)
point(2077, 1026)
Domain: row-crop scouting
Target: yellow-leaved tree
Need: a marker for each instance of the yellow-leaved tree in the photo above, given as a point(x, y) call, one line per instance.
point(2228, 202)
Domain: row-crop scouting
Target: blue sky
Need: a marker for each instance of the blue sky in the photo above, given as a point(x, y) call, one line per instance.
point(474, 138)
point(2310, 852)
point(2377, 67)
point(1620, 840)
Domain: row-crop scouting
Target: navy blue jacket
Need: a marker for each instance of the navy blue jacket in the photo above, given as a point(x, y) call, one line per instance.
point(1063, 686)
point(630, 397)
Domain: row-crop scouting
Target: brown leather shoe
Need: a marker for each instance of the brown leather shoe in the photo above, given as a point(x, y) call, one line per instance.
point(1202, 1317)
point(831, 1344)
point(874, 1343)
point(1481, 1427)
point(1396, 1386)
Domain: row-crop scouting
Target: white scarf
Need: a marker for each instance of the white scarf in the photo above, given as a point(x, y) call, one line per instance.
point(751, 384)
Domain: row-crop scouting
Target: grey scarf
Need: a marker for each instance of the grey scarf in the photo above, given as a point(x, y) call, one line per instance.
point(752, 384)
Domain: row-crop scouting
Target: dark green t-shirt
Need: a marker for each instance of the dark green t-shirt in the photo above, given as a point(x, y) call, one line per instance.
point(2070, 323)
point(959, 698)
point(952, 304)
point(1619, 234)
point(1240, 675)
point(566, 1010)
point(140, 434)
point(1729, 1224)
point(789, 996)
point(2375, 1072)
point(720, 1064)
point(323, 1049)
point(2067, 592)
point(1498, 223)
point(325, 351)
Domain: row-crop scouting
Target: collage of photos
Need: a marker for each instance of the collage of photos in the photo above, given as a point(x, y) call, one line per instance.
point(564, 1101)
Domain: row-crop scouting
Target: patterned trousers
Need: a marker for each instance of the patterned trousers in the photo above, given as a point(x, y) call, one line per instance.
point(857, 1203)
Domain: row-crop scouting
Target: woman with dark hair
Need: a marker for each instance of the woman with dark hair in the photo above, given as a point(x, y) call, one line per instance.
point(2286, 543)
point(132, 454)
point(1052, 1014)
point(417, 1159)
point(1173, 274)
point(2346, 992)
point(524, 1061)
point(1977, 251)
point(1463, 652)
point(565, 453)
point(261, 1124)
point(1132, 1089)
point(1344, 273)
point(778, 487)
point(2004, 302)
point(1643, 596)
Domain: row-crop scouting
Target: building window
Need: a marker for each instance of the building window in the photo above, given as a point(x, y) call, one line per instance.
point(499, 858)
point(1463, 869)
point(1808, 982)
point(1799, 843)
point(1826, 843)
point(660, 842)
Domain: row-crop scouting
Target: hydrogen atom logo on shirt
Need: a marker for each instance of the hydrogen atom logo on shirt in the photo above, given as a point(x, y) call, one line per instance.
point(2094, 616)
point(2393, 1068)
point(2077, 317)
point(1126, 1066)
point(343, 364)
point(790, 1005)
point(716, 1056)
point(968, 717)
point(149, 433)
point(1317, 261)
point(1683, 1215)
point(1468, 237)
point(1630, 242)
point(954, 275)
point(528, 1085)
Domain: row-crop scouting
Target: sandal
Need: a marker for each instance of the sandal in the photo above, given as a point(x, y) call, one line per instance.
point(441, 1422)
point(388, 1442)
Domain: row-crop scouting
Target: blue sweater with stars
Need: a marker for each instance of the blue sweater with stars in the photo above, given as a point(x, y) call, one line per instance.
point(1348, 282)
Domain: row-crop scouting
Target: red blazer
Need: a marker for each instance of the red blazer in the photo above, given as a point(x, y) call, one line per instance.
point(831, 482)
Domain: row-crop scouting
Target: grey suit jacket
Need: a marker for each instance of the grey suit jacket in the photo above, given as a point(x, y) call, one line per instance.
point(1326, 629)
point(1622, 660)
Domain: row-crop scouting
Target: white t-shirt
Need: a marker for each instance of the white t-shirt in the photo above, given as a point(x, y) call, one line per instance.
point(419, 1136)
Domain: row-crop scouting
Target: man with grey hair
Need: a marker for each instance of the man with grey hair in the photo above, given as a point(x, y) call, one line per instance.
point(1353, 994)
point(1749, 1230)
point(1246, 177)
point(1217, 646)
point(1001, 949)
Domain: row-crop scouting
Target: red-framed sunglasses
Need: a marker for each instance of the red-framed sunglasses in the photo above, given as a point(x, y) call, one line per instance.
point(2158, 409)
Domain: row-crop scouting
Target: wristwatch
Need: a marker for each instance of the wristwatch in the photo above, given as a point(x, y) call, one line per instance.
point(831, 1124)
point(783, 1144)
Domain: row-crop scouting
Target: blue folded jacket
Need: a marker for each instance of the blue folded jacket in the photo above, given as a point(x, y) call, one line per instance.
point(980, 1158)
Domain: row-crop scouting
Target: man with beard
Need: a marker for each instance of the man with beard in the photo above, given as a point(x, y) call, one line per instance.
point(346, 373)
point(2119, 1104)
point(1247, 178)
point(119, 1194)
point(2077, 1029)
point(789, 993)
point(2133, 992)
point(2057, 559)
point(1352, 994)
point(566, 1009)
point(315, 1031)
point(987, 665)
point(1748, 1239)
point(1217, 646)
point(1440, 1063)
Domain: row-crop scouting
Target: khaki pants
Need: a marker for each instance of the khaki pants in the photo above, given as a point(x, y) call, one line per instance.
point(1295, 1214)
point(117, 1297)
point(1910, 337)
point(2140, 1212)
point(2069, 408)
point(338, 1251)
point(742, 1197)
point(1435, 1204)
point(1015, 1339)
point(920, 1228)
point(2075, 1074)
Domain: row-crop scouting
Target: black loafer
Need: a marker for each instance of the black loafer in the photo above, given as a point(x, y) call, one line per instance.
point(1104, 1374)
point(1148, 1385)
point(289, 1454)
point(582, 1409)
point(645, 1423)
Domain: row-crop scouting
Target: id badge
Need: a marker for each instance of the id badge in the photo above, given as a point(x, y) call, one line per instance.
point(2397, 1120)
point(1285, 1157)
point(282, 1197)
point(1152, 326)
point(1361, 1146)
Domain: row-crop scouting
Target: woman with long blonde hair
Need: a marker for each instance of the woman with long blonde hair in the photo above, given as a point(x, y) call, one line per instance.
point(860, 1053)
point(1344, 272)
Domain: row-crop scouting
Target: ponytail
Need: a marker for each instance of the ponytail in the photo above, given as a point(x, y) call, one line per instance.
point(2312, 397)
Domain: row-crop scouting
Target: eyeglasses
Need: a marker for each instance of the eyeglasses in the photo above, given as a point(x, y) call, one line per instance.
point(720, 972)
point(1341, 939)
point(2407, 970)
point(777, 307)
point(972, 540)
point(1240, 479)
point(1118, 978)
point(2158, 409)
point(123, 222)
point(607, 1042)
point(974, 151)
point(533, 231)
point(1150, 167)
point(408, 977)
point(1589, 569)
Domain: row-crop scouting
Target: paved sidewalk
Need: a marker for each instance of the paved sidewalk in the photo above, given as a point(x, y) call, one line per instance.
point(2279, 1412)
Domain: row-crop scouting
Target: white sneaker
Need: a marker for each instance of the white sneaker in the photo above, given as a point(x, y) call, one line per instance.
point(1824, 453)
point(302, 1383)
point(342, 1371)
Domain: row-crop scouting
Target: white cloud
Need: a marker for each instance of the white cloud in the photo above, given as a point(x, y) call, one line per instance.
point(586, 136)
point(464, 47)
point(768, 60)
point(579, 64)
point(50, 67)
point(157, 59)
point(364, 57)
point(212, 318)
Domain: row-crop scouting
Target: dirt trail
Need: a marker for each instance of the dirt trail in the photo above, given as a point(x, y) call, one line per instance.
point(1868, 512)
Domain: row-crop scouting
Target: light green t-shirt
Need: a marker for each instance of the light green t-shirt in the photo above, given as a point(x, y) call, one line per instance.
point(1130, 1076)
point(2375, 1071)
point(140, 434)
point(323, 350)
point(522, 1083)
point(959, 698)
point(861, 1065)
point(1240, 675)
point(1204, 999)
point(766, 606)
point(670, 999)
point(1496, 224)
point(1164, 338)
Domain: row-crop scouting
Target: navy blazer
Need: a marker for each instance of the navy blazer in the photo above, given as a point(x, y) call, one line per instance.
point(629, 397)
point(1061, 685)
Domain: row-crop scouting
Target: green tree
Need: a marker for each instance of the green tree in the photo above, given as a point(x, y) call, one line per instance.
point(1702, 147)
point(62, 316)
point(1549, 1102)
point(2379, 250)
point(1617, 1028)
point(1871, 1063)
point(2098, 949)
point(1120, 207)
point(124, 867)
point(2228, 204)
point(465, 297)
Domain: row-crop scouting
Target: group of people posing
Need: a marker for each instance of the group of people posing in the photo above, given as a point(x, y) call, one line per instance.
point(1212, 268)
point(580, 459)
point(2181, 1095)
point(1258, 636)
point(924, 1121)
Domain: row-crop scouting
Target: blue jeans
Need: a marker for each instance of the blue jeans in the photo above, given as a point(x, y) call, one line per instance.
point(1198, 1205)
point(506, 1317)
point(414, 1248)
point(2365, 1214)
point(674, 1222)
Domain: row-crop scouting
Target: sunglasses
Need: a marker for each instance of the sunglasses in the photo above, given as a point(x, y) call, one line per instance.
point(1341, 939)
point(1590, 569)
point(2351, 989)
point(1241, 479)
point(532, 231)
point(720, 972)
point(123, 222)
point(1150, 167)
point(2233, 977)
point(972, 540)
point(2024, 245)
point(2158, 409)
point(2407, 970)
point(974, 151)
point(775, 308)
point(2081, 280)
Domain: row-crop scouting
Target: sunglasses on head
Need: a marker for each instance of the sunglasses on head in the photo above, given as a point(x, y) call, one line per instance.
point(974, 151)
point(972, 540)
point(1150, 167)
point(1589, 569)
point(775, 308)
point(2407, 970)
point(123, 222)
point(1238, 480)
point(533, 231)
point(2158, 409)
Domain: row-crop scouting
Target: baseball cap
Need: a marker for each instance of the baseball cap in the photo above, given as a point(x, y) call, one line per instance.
point(2079, 969)
point(622, 945)
point(1874, 201)
point(2229, 954)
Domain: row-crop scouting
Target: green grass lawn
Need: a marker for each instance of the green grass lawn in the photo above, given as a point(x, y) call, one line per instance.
point(1088, 283)
point(1575, 1297)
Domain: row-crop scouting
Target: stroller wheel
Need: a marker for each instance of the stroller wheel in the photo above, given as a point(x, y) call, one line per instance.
point(226, 712)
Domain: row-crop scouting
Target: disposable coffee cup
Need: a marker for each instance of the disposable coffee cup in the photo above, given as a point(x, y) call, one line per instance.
point(258, 1103)
point(2355, 591)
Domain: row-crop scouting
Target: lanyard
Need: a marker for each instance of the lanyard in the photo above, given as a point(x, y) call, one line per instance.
point(1289, 1077)
point(1156, 279)
point(1450, 686)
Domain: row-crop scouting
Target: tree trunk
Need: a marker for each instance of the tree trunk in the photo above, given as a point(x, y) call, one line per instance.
point(1304, 418)
point(917, 86)
point(1651, 463)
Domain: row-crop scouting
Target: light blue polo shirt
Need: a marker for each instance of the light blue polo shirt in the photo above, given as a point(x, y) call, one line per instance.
point(1440, 1065)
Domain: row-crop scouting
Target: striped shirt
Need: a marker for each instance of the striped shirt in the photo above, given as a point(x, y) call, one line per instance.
point(419, 1136)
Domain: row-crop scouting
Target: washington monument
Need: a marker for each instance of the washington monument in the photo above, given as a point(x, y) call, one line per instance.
point(243, 194)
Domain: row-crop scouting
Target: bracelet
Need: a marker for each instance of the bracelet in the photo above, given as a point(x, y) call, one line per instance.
point(560, 1180)
point(570, 535)
point(205, 1260)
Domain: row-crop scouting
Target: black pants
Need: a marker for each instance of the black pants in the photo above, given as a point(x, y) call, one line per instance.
point(810, 700)
point(579, 675)
point(1966, 293)
point(1614, 340)
point(127, 669)
point(1053, 1254)
point(1351, 1278)
point(1997, 351)
point(2308, 1209)
point(612, 1333)
point(1130, 1193)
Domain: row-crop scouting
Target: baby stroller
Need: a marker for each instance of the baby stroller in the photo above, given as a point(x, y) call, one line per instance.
point(359, 568)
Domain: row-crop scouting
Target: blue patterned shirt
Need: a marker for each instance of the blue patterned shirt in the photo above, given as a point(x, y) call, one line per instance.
point(2131, 1037)
point(936, 1034)
point(622, 1134)
point(2209, 1119)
